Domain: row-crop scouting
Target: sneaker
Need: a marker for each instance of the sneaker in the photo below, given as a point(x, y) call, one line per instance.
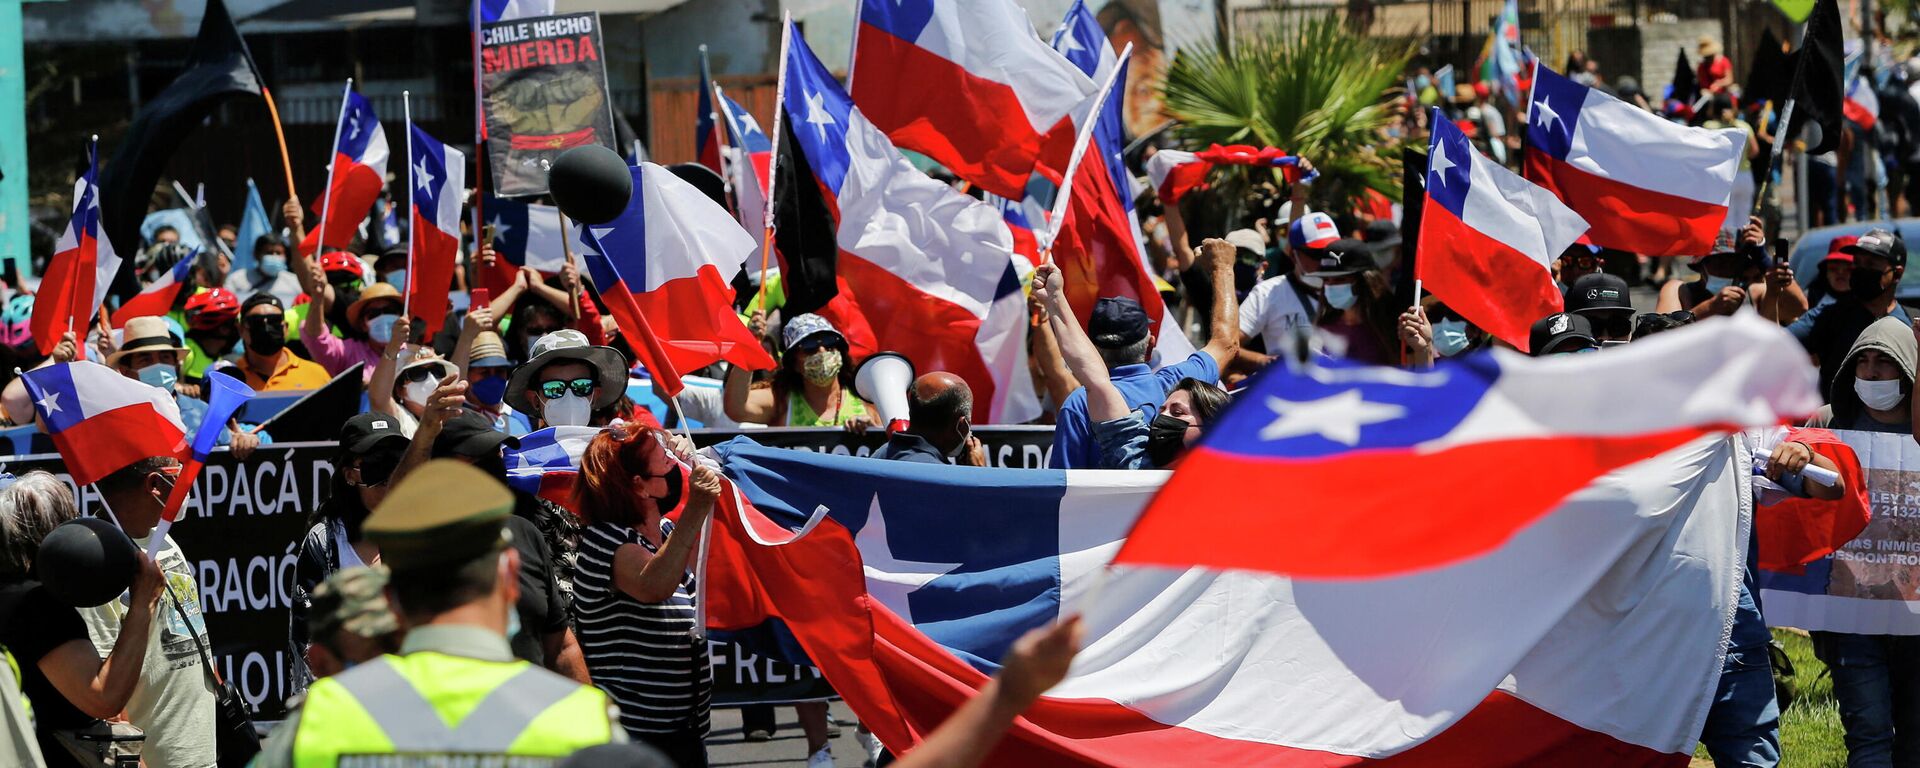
point(760, 734)
point(821, 759)
point(869, 746)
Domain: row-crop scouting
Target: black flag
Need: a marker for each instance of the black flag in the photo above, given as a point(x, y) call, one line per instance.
point(218, 68)
point(1817, 80)
point(1685, 89)
point(1413, 198)
point(803, 230)
point(1770, 78)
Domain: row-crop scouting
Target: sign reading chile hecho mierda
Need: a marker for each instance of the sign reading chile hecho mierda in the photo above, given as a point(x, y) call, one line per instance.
point(544, 82)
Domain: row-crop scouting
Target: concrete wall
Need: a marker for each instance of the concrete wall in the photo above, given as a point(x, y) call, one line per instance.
point(1660, 45)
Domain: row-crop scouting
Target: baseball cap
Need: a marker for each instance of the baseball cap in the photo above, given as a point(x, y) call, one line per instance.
point(1837, 250)
point(1248, 240)
point(470, 435)
point(367, 431)
point(1345, 256)
point(1598, 292)
point(1560, 332)
point(261, 298)
point(1314, 230)
point(1880, 242)
point(1117, 321)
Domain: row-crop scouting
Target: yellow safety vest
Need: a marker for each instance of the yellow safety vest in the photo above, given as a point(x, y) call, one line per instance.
point(395, 712)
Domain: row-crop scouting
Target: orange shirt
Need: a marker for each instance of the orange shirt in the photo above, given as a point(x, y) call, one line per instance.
point(292, 372)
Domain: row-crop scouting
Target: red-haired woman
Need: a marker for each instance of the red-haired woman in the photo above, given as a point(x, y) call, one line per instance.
point(633, 592)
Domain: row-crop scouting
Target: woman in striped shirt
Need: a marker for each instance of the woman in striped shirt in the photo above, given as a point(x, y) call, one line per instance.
point(633, 593)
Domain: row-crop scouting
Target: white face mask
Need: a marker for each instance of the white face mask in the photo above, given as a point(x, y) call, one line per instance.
point(1340, 296)
point(1718, 284)
point(1450, 337)
point(380, 329)
point(1878, 395)
point(570, 410)
point(417, 392)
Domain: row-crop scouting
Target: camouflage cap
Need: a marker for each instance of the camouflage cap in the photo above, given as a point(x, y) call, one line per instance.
point(352, 599)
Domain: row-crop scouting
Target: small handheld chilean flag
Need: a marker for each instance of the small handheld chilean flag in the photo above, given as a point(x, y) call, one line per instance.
point(1429, 450)
point(1646, 185)
point(100, 420)
point(1488, 238)
point(439, 178)
point(226, 395)
point(354, 179)
point(751, 168)
point(81, 270)
point(706, 131)
point(546, 462)
point(157, 298)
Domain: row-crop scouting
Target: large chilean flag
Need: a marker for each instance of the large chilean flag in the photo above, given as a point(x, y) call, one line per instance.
point(664, 264)
point(81, 270)
point(969, 84)
point(1593, 638)
point(1487, 443)
point(1645, 184)
point(932, 263)
point(438, 175)
point(355, 177)
point(1488, 238)
point(101, 421)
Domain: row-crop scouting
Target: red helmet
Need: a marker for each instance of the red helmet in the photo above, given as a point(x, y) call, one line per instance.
point(341, 261)
point(212, 308)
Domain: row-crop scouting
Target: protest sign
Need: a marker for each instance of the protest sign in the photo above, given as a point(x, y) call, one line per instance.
point(241, 530)
point(544, 84)
point(757, 666)
point(1872, 585)
point(1015, 446)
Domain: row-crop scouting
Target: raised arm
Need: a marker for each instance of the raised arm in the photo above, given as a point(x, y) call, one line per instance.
point(380, 386)
point(1223, 344)
point(101, 688)
point(1039, 660)
point(745, 404)
point(1104, 402)
point(478, 319)
point(652, 578)
point(1059, 381)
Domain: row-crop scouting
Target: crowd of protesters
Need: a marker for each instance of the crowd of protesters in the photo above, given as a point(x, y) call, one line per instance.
point(600, 593)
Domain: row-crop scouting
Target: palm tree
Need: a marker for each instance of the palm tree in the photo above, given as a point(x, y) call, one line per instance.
point(1315, 89)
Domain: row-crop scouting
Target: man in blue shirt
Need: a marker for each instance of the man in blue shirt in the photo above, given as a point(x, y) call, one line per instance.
point(1123, 333)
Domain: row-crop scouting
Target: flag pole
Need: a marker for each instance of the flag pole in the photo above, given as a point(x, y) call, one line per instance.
point(406, 299)
point(773, 168)
point(566, 247)
point(1080, 144)
point(280, 135)
point(73, 327)
point(333, 150)
point(479, 143)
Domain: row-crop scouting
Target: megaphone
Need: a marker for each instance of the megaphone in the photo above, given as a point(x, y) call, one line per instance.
point(883, 380)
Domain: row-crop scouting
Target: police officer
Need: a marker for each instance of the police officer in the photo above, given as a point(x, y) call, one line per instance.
point(442, 532)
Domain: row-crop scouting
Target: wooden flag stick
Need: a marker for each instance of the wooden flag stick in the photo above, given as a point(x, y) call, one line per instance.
point(566, 247)
point(280, 134)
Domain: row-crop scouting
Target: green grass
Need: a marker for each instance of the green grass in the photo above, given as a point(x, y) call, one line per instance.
point(1810, 735)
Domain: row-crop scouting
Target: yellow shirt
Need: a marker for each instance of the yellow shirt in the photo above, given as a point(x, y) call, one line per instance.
point(292, 372)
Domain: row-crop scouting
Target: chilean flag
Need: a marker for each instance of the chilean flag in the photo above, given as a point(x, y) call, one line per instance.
point(750, 169)
point(547, 462)
point(1488, 238)
point(1591, 639)
point(438, 176)
point(354, 179)
point(492, 11)
point(1174, 173)
point(706, 131)
point(157, 297)
point(227, 394)
point(969, 84)
point(101, 421)
point(1646, 185)
point(1793, 532)
point(81, 270)
point(527, 234)
point(1493, 426)
point(664, 265)
point(1861, 105)
point(932, 262)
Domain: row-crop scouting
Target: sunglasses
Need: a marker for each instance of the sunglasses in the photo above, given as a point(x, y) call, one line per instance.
point(1612, 323)
point(417, 375)
point(375, 471)
point(554, 390)
point(813, 344)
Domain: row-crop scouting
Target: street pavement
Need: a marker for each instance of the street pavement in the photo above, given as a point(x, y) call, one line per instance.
point(727, 745)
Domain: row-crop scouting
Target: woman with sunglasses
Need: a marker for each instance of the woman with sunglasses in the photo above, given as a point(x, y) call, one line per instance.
point(406, 376)
point(371, 446)
point(814, 387)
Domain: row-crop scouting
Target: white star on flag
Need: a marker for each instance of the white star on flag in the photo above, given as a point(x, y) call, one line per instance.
point(1335, 417)
point(50, 404)
point(1068, 43)
point(422, 178)
point(890, 579)
point(1440, 164)
point(817, 114)
point(1543, 113)
point(500, 226)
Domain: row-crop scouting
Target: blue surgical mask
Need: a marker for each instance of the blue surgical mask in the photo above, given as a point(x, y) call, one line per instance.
point(380, 329)
point(489, 390)
point(272, 266)
point(1718, 284)
point(161, 375)
point(1450, 337)
point(513, 622)
point(396, 278)
point(1340, 295)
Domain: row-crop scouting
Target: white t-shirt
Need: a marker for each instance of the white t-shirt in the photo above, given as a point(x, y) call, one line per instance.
point(173, 702)
point(1272, 311)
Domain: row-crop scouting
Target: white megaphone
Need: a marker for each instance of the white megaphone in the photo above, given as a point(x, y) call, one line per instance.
point(883, 380)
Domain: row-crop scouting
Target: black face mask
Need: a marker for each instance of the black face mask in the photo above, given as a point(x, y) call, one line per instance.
point(266, 334)
point(1865, 284)
point(1166, 438)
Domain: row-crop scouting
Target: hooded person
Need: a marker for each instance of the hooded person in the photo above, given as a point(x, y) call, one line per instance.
point(1874, 382)
point(1829, 331)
